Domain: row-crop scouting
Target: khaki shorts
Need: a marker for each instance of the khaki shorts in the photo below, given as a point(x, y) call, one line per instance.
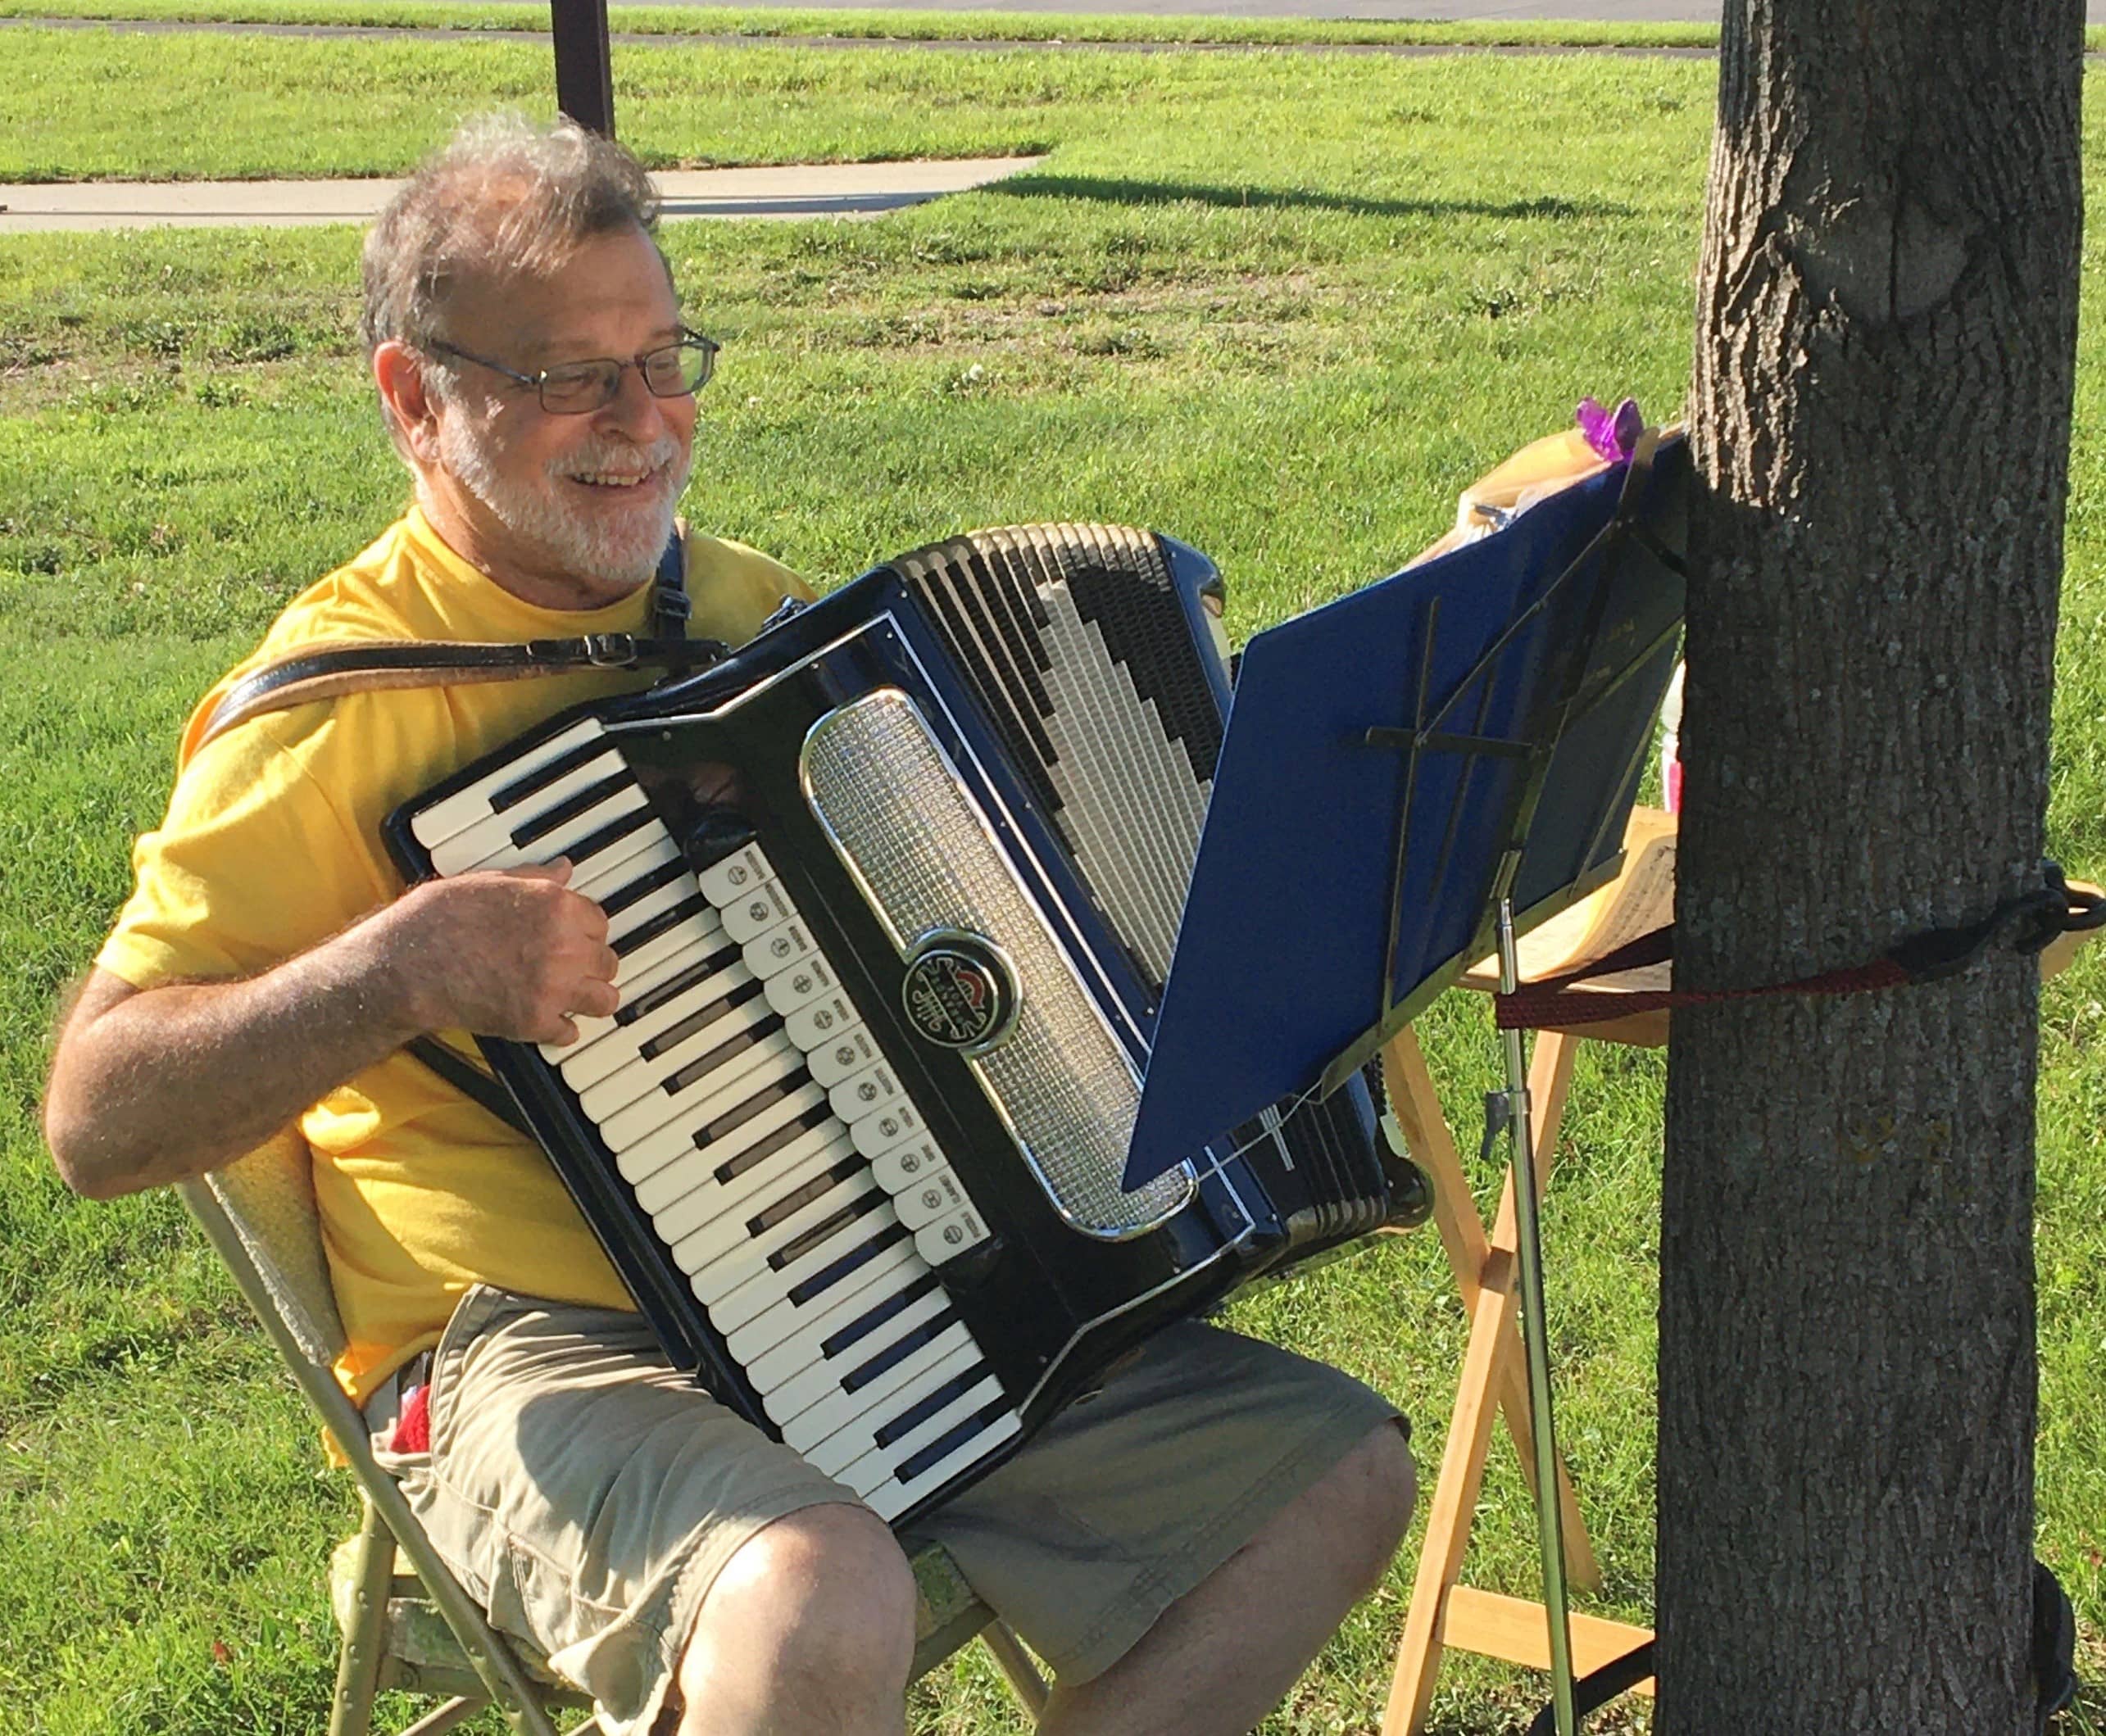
point(588, 1494)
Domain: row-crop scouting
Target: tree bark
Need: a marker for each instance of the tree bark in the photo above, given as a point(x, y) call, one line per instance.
point(1884, 357)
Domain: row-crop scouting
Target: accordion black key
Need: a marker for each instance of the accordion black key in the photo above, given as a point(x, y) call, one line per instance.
point(894, 889)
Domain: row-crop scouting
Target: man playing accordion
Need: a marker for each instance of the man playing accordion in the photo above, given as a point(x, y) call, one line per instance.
point(1176, 1544)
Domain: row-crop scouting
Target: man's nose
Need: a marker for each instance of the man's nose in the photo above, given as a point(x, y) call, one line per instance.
point(633, 410)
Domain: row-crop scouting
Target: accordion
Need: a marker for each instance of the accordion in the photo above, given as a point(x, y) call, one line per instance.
point(894, 889)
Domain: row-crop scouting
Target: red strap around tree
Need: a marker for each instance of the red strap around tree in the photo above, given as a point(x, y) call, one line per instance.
point(2025, 923)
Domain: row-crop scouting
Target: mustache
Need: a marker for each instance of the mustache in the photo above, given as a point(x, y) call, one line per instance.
point(601, 453)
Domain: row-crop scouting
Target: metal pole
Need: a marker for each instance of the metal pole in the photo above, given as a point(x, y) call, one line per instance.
point(584, 71)
point(1550, 1527)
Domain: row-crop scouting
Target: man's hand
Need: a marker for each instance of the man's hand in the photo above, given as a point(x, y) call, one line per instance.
point(152, 1085)
point(510, 953)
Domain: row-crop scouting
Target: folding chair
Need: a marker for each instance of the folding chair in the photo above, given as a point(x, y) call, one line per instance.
point(406, 1622)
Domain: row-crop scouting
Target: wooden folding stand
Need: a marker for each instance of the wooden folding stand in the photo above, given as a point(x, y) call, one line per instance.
point(1446, 1613)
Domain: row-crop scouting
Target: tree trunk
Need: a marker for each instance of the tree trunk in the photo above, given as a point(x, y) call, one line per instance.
point(1885, 347)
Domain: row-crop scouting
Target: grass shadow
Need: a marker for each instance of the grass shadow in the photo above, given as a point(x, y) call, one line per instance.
point(1112, 190)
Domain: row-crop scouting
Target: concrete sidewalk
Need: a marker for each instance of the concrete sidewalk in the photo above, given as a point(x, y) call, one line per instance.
point(827, 190)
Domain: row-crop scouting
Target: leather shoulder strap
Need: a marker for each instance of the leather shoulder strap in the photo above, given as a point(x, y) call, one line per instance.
point(470, 1081)
point(330, 671)
point(670, 604)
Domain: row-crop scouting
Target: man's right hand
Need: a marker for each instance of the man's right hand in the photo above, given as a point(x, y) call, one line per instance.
point(150, 1085)
point(506, 953)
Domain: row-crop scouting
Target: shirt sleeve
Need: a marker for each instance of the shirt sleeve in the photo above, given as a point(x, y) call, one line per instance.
point(253, 865)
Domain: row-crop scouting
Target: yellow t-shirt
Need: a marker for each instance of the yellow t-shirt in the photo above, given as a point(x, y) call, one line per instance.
point(272, 844)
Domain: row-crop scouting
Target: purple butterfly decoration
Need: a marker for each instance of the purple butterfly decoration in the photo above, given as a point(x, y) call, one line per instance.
point(1613, 433)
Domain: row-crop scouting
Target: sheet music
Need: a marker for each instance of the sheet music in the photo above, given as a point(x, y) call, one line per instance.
point(1639, 899)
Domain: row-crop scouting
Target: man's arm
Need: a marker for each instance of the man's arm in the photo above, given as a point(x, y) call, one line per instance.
point(157, 1085)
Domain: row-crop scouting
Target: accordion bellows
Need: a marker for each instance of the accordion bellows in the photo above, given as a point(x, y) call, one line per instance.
point(1076, 647)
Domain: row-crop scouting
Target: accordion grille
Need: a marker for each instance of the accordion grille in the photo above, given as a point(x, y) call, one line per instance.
point(880, 784)
point(1075, 642)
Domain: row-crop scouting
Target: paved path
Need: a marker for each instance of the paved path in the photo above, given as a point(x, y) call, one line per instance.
point(836, 190)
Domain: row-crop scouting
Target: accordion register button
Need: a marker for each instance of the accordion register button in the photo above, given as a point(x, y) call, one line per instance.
point(935, 1193)
point(788, 1388)
point(877, 1134)
point(748, 918)
point(449, 813)
point(836, 1060)
point(898, 1388)
point(778, 948)
point(738, 874)
point(813, 1024)
point(752, 1319)
point(860, 1093)
point(835, 1434)
point(906, 1164)
point(798, 987)
point(951, 1235)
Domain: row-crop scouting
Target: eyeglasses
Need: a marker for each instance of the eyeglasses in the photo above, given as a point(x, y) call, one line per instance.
point(575, 388)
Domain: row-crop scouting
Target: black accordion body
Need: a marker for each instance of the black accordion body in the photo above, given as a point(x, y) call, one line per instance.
point(895, 890)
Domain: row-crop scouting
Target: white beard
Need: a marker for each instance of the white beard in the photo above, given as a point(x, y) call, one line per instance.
point(619, 548)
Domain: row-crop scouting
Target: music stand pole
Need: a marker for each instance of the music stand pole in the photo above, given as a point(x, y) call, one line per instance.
point(1549, 1528)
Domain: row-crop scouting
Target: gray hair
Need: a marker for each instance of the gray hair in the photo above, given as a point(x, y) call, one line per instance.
point(504, 195)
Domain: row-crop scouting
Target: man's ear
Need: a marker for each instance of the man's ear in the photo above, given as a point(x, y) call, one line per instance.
point(406, 399)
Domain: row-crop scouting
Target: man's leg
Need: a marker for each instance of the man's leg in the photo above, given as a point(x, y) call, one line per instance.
point(596, 1503)
point(808, 1630)
point(1225, 1653)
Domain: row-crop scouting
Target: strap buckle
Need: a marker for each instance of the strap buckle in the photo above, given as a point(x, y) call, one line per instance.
point(611, 651)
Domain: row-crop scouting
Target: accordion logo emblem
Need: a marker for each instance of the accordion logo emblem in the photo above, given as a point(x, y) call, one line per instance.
point(960, 991)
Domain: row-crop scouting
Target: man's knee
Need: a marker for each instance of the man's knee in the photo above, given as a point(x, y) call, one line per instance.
point(821, 1602)
point(1372, 1490)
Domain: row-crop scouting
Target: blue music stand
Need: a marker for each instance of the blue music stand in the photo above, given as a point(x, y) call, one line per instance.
point(1385, 754)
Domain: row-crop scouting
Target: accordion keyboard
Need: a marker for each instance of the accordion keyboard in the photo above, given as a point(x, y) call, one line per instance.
point(748, 1107)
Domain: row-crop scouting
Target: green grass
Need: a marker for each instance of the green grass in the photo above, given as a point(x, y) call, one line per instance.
point(917, 26)
point(86, 105)
point(1293, 357)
